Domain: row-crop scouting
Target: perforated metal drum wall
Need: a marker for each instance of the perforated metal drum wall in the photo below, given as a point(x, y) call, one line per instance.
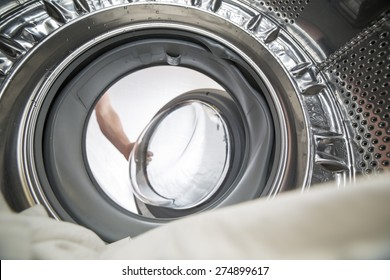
point(287, 10)
point(362, 78)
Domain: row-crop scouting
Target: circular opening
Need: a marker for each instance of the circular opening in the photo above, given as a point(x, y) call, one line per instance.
point(182, 157)
point(135, 99)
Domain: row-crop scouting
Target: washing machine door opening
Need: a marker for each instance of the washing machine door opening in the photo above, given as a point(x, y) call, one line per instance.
point(189, 147)
point(181, 145)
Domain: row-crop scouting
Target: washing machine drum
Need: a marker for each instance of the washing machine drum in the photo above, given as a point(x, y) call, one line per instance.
point(227, 101)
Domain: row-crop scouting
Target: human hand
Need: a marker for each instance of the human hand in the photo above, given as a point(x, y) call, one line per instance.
point(149, 156)
point(129, 147)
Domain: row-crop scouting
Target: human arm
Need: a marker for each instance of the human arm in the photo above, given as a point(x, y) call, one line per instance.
point(111, 126)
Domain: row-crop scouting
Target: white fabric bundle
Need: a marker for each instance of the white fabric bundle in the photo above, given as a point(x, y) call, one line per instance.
point(324, 223)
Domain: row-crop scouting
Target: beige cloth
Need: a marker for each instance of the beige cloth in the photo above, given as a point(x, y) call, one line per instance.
point(324, 223)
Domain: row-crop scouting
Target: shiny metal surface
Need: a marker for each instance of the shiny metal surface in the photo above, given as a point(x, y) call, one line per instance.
point(21, 32)
point(362, 79)
point(325, 63)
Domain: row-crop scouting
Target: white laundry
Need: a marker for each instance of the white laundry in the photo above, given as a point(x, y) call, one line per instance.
point(324, 223)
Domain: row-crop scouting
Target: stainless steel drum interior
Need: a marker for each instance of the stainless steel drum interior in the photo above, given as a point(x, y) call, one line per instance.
point(301, 97)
